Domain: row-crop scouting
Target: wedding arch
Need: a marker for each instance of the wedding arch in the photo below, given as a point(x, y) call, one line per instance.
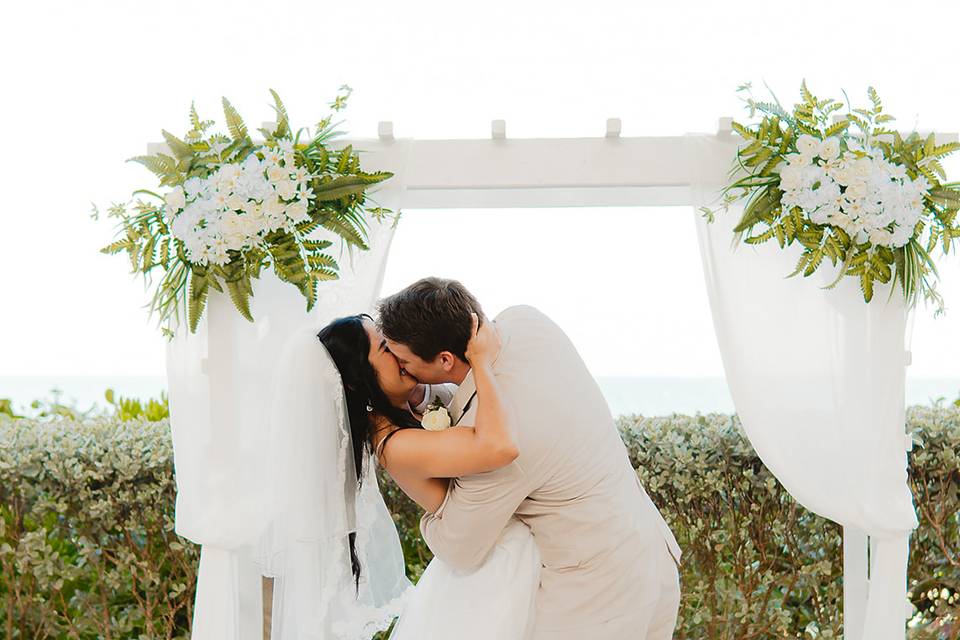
point(817, 376)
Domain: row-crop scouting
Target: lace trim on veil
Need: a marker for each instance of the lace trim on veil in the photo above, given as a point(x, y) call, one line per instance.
point(362, 620)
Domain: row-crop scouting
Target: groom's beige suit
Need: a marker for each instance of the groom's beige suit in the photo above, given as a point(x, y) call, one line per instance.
point(608, 570)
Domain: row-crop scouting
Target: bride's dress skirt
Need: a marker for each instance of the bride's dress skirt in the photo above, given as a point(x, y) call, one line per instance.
point(495, 601)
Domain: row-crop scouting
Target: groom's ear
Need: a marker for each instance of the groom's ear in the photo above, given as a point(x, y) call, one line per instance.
point(447, 360)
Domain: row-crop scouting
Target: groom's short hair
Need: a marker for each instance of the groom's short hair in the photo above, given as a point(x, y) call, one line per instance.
point(429, 316)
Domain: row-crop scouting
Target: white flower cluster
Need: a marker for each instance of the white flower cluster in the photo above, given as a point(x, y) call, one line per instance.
point(235, 207)
point(867, 196)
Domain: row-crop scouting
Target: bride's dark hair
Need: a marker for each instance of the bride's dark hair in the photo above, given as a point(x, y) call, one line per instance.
point(348, 344)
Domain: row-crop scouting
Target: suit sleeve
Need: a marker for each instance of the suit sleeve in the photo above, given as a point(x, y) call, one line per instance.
point(477, 508)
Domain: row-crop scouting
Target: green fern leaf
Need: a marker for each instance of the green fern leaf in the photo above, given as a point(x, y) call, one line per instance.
point(240, 298)
point(196, 299)
point(321, 261)
point(194, 118)
point(945, 149)
point(325, 274)
point(801, 263)
point(148, 254)
point(743, 131)
point(347, 185)
point(763, 237)
point(238, 130)
point(788, 227)
point(781, 236)
point(162, 165)
point(283, 120)
point(316, 245)
point(937, 168)
point(344, 159)
point(805, 93)
point(344, 229)
point(836, 128)
point(181, 150)
point(815, 259)
point(117, 247)
point(875, 99)
point(165, 252)
point(866, 285)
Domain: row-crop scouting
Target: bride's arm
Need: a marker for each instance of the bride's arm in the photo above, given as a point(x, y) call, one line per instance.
point(461, 451)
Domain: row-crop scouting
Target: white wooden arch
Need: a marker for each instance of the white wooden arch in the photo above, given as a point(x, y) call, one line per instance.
point(500, 172)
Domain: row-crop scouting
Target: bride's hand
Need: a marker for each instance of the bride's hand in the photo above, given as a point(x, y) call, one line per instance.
point(484, 343)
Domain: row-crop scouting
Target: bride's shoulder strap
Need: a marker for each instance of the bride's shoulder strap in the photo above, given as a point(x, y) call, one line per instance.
point(385, 427)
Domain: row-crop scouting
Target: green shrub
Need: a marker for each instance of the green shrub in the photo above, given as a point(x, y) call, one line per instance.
point(118, 407)
point(134, 409)
point(87, 547)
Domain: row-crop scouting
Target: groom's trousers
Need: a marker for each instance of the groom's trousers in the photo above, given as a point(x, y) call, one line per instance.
point(655, 617)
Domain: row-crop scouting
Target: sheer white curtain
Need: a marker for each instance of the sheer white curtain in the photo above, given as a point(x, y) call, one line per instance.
point(250, 433)
point(817, 377)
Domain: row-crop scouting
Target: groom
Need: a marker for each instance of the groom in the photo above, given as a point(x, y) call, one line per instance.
point(609, 560)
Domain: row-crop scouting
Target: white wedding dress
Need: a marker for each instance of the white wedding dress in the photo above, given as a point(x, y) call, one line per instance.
point(495, 601)
point(492, 602)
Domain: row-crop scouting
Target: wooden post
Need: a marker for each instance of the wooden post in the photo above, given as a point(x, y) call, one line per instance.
point(855, 582)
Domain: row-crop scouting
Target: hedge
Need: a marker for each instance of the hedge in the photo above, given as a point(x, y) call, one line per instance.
point(87, 547)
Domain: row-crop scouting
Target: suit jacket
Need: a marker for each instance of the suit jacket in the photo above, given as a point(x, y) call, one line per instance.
point(572, 484)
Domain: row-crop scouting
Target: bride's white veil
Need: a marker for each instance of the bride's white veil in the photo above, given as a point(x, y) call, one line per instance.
point(316, 506)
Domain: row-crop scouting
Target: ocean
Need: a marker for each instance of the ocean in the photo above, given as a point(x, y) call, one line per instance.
point(649, 396)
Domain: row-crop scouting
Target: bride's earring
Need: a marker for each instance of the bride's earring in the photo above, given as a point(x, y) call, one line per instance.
point(369, 408)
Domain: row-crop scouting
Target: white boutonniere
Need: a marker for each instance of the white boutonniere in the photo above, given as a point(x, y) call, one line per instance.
point(436, 417)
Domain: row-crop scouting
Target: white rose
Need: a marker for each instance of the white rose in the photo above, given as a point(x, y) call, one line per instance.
point(897, 171)
point(829, 148)
point(796, 159)
point(175, 199)
point(193, 187)
point(297, 210)
point(862, 167)
point(235, 202)
point(272, 156)
point(436, 420)
point(277, 173)
point(880, 236)
point(902, 235)
point(856, 190)
point(272, 206)
point(251, 164)
point(807, 145)
point(287, 189)
point(820, 216)
point(790, 177)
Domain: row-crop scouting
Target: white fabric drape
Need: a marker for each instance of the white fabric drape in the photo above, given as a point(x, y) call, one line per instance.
point(817, 377)
point(256, 420)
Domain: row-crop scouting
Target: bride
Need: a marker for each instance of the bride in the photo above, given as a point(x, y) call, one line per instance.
point(496, 600)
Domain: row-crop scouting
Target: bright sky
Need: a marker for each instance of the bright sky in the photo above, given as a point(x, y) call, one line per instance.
point(89, 84)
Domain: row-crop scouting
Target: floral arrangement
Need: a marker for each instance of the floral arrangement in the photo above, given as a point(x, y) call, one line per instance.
point(235, 207)
point(848, 189)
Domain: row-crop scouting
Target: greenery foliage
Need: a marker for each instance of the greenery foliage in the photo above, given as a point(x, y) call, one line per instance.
point(117, 408)
point(297, 254)
point(755, 177)
point(87, 548)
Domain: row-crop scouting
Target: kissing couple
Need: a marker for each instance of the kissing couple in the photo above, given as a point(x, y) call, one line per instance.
point(539, 525)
